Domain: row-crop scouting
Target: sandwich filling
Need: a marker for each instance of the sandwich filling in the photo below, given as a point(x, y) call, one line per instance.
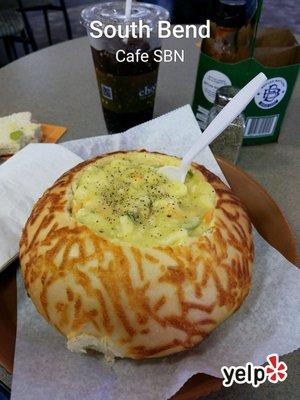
point(123, 197)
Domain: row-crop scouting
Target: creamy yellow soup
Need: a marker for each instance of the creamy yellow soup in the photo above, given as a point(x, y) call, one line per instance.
point(124, 198)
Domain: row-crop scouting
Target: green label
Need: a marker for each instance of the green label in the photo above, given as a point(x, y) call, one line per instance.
point(125, 94)
point(265, 114)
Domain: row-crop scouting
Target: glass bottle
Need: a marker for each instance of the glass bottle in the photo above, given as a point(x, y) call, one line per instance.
point(229, 142)
point(231, 36)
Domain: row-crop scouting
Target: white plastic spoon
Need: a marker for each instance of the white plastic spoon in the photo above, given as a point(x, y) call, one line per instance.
point(216, 127)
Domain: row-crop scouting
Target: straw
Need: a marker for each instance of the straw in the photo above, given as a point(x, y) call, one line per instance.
point(128, 7)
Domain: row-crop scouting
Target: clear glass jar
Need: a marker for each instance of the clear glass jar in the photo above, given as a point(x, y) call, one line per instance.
point(228, 144)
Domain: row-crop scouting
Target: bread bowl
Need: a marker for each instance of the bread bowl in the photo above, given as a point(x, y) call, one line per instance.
point(120, 260)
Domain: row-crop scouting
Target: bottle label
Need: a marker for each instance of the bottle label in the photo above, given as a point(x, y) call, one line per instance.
point(125, 94)
point(211, 82)
point(271, 93)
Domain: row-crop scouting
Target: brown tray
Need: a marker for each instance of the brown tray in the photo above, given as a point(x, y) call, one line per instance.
point(266, 217)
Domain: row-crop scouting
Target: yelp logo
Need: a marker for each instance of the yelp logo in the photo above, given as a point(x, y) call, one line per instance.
point(275, 371)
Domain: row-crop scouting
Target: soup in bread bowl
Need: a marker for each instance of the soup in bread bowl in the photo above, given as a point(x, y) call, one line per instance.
point(121, 260)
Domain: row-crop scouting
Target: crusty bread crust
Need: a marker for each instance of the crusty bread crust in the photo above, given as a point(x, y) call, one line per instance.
point(133, 302)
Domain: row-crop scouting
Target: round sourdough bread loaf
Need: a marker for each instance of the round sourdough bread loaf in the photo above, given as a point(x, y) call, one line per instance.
point(130, 280)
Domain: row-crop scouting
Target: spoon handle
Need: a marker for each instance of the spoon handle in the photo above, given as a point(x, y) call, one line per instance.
point(225, 117)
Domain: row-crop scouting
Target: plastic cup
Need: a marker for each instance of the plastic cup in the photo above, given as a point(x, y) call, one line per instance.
point(127, 89)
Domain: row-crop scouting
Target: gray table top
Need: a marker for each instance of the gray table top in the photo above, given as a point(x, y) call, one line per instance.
point(58, 86)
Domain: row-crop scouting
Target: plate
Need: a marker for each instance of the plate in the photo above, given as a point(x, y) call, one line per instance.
point(272, 225)
point(266, 217)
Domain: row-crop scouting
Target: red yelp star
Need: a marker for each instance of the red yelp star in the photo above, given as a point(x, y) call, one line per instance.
point(276, 370)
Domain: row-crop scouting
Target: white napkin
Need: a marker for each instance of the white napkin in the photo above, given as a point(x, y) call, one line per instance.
point(23, 179)
point(45, 369)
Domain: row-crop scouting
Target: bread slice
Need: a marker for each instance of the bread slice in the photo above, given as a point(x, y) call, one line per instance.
point(16, 131)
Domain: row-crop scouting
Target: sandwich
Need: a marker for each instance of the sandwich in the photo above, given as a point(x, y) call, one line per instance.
point(16, 131)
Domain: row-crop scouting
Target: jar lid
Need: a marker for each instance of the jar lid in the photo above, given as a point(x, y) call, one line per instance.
point(113, 13)
point(224, 94)
point(231, 13)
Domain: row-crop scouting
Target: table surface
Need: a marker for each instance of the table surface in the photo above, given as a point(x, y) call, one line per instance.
point(58, 86)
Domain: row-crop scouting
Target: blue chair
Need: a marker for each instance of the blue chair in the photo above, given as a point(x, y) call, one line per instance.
point(45, 6)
